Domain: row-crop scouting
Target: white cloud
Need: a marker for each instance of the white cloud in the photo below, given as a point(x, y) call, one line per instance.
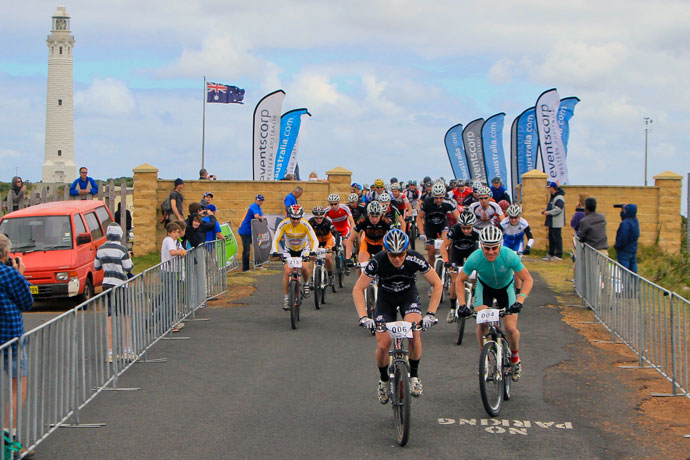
point(105, 97)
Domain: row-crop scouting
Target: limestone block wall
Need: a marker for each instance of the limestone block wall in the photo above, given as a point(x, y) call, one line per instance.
point(232, 198)
point(658, 208)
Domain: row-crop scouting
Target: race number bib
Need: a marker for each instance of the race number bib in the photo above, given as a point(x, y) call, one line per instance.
point(489, 315)
point(295, 262)
point(438, 243)
point(400, 329)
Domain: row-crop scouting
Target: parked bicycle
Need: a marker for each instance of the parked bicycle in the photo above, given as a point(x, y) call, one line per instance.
point(399, 371)
point(495, 373)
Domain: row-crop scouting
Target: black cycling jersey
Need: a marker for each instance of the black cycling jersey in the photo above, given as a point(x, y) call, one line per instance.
point(392, 214)
point(358, 212)
point(374, 232)
point(462, 245)
point(397, 280)
point(435, 214)
point(322, 229)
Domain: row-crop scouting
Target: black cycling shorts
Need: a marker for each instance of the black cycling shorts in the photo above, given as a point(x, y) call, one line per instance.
point(458, 258)
point(387, 305)
point(433, 232)
point(485, 295)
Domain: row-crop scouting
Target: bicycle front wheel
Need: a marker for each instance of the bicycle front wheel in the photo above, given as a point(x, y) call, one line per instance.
point(439, 269)
point(293, 299)
point(401, 402)
point(490, 379)
point(459, 330)
point(341, 271)
point(318, 291)
point(413, 236)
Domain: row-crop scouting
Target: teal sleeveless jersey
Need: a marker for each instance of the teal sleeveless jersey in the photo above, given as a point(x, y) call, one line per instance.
point(497, 274)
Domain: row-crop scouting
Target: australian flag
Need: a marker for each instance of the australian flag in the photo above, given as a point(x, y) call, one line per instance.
point(217, 92)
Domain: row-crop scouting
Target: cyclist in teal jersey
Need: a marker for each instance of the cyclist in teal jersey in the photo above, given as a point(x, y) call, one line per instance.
point(495, 265)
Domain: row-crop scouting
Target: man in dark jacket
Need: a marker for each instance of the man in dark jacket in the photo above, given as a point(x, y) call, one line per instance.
point(195, 234)
point(626, 238)
point(498, 190)
point(555, 221)
point(592, 229)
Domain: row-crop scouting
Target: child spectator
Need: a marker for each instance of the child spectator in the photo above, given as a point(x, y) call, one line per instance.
point(171, 269)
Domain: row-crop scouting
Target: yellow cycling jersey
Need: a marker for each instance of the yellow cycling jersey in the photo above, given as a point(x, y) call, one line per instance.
point(297, 238)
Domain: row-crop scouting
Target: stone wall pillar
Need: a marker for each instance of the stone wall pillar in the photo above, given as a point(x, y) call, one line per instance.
point(535, 197)
point(670, 193)
point(144, 217)
point(339, 181)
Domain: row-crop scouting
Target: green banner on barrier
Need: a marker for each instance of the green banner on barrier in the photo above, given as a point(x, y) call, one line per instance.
point(230, 242)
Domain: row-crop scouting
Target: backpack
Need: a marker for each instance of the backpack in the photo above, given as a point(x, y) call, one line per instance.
point(166, 210)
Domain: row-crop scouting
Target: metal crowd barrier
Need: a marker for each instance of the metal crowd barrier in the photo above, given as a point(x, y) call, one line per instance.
point(650, 320)
point(68, 362)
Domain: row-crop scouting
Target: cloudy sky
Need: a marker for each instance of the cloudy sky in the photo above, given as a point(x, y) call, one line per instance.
point(383, 81)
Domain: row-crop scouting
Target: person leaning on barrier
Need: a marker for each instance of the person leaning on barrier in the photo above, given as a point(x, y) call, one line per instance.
point(83, 185)
point(15, 298)
point(171, 248)
point(592, 228)
point(626, 237)
point(245, 230)
point(195, 234)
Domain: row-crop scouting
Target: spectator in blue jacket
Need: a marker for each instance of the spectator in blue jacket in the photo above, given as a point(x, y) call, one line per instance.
point(626, 238)
point(84, 184)
point(498, 190)
point(291, 198)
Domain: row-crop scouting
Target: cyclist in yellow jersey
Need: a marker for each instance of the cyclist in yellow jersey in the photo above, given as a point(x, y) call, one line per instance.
point(299, 241)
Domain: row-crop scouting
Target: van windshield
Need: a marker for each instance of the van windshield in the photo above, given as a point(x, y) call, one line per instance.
point(38, 233)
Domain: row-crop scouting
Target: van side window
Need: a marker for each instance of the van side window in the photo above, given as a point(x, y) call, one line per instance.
point(78, 225)
point(94, 227)
point(103, 216)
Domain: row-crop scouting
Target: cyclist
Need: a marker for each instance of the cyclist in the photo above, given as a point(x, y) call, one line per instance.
point(515, 228)
point(300, 241)
point(496, 265)
point(324, 230)
point(431, 219)
point(357, 189)
point(412, 194)
point(400, 201)
point(426, 192)
point(391, 212)
point(371, 230)
point(462, 239)
point(379, 188)
point(396, 270)
point(485, 210)
point(358, 210)
point(342, 219)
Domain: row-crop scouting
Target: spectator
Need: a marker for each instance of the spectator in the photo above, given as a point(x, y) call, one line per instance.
point(593, 228)
point(206, 200)
point(245, 230)
point(195, 234)
point(17, 193)
point(214, 234)
point(555, 221)
point(170, 269)
point(291, 198)
point(80, 186)
point(15, 298)
point(128, 220)
point(177, 201)
point(112, 257)
point(579, 212)
point(313, 176)
point(498, 191)
point(626, 238)
point(204, 175)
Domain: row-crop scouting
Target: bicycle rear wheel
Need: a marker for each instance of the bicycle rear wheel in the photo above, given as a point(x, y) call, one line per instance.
point(324, 285)
point(491, 382)
point(459, 330)
point(438, 268)
point(293, 299)
point(401, 402)
point(413, 236)
point(341, 270)
point(318, 292)
point(336, 262)
point(507, 371)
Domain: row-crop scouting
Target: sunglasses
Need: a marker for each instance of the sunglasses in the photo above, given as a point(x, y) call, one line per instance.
point(491, 248)
point(398, 255)
point(483, 197)
point(334, 204)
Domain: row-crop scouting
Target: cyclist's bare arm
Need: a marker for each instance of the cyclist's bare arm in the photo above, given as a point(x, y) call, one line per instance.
point(444, 247)
point(527, 281)
point(435, 281)
point(460, 287)
point(420, 221)
point(358, 293)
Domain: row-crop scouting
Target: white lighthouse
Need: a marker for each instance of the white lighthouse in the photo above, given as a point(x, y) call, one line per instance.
point(58, 164)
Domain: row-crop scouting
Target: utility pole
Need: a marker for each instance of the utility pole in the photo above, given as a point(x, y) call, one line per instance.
point(647, 121)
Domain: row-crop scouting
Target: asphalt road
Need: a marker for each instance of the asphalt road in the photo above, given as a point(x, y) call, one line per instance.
point(245, 385)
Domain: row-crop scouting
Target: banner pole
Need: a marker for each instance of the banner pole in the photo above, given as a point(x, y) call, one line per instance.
point(203, 126)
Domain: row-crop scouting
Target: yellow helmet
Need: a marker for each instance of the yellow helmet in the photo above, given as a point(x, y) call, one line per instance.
point(379, 183)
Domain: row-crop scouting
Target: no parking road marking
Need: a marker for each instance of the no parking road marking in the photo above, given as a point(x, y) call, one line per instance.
point(499, 426)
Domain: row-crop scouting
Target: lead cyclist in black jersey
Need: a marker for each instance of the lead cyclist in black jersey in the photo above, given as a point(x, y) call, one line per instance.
point(396, 268)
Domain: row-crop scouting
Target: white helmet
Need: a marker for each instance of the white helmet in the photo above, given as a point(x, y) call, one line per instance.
point(438, 189)
point(353, 197)
point(491, 236)
point(514, 211)
point(333, 198)
point(484, 191)
point(395, 186)
point(384, 198)
point(374, 208)
point(467, 218)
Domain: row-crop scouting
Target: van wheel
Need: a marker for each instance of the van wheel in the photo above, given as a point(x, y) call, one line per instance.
point(88, 291)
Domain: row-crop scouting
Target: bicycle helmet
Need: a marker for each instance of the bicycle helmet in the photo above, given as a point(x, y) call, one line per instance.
point(491, 236)
point(384, 198)
point(427, 179)
point(356, 185)
point(453, 183)
point(412, 182)
point(296, 211)
point(395, 186)
point(394, 180)
point(483, 191)
point(333, 198)
point(352, 197)
point(438, 190)
point(379, 183)
point(374, 208)
point(467, 218)
point(513, 211)
point(318, 211)
point(395, 241)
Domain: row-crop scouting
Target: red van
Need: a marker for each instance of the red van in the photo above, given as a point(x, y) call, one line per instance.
point(58, 242)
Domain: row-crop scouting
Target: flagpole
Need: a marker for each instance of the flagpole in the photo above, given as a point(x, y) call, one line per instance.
point(203, 126)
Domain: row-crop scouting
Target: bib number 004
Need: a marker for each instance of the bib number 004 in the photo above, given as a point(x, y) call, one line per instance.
point(489, 315)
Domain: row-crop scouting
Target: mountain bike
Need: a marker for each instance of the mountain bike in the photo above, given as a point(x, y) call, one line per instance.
point(460, 322)
point(440, 269)
point(412, 230)
point(370, 294)
point(399, 371)
point(294, 286)
point(341, 268)
point(495, 373)
point(320, 277)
